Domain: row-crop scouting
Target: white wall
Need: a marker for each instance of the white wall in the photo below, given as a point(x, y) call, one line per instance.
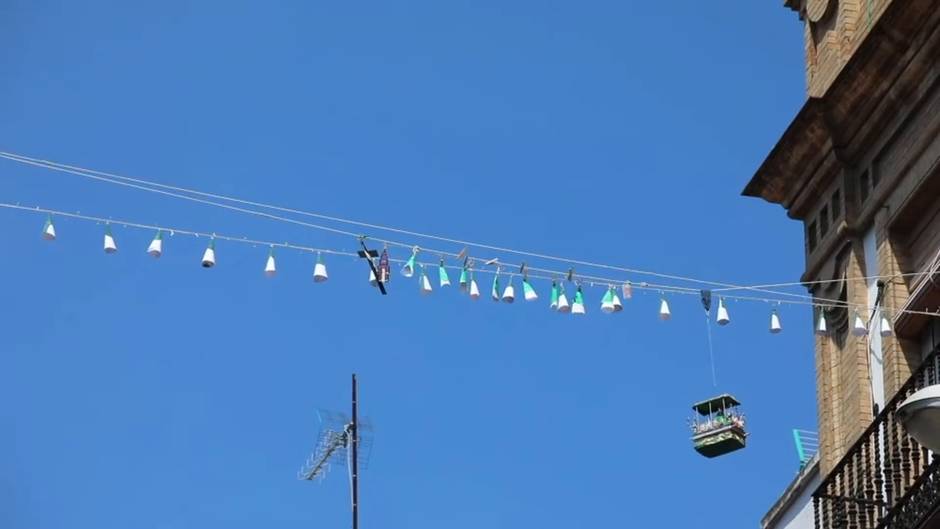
point(799, 513)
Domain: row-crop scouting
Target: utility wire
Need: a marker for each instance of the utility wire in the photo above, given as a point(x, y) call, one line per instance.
point(175, 191)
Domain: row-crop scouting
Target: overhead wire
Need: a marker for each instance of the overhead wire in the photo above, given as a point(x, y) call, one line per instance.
point(182, 193)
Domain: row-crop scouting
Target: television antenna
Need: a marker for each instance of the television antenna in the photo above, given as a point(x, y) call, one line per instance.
point(343, 441)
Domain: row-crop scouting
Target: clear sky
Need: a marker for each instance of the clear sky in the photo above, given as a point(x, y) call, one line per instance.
point(155, 394)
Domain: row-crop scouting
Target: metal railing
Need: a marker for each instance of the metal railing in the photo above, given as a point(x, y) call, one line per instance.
point(886, 480)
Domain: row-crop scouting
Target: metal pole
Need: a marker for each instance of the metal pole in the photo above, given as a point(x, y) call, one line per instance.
point(355, 455)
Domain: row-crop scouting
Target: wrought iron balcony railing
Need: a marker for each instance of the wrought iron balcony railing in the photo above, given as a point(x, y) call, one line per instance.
point(886, 480)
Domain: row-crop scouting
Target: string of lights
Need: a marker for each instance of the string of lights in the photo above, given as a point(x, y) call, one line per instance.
point(610, 302)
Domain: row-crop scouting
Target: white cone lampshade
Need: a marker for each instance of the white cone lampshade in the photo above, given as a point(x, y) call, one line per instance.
point(563, 306)
point(554, 299)
point(372, 280)
point(208, 257)
point(885, 327)
point(607, 302)
point(156, 245)
point(109, 245)
point(627, 290)
point(425, 283)
point(48, 229)
point(664, 313)
point(578, 306)
point(409, 269)
point(722, 317)
point(270, 267)
point(821, 328)
point(775, 326)
point(474, 289)
point(319, 271)
point(618, 306)
point(528, 292)
point(509, 294)
point(442, 273)
point(858, 327)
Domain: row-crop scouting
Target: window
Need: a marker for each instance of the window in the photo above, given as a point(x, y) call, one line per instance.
point(836, 205)
point(811, 236)
point(864, 186)
point(823, 221)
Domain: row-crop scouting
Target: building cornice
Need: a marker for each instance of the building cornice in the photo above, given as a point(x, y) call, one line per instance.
point(843, 122)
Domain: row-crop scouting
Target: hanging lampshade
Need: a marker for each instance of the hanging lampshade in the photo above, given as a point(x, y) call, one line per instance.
point(607, 302)
point(372, 280)
point(425, 283)
point(409, 269)
point(463, 282)
point(563, 306)
point(474, 289)
point(509, 294)
point(554, 297)
point(775, 326)
point(270, 267)
point(494, 292)
point(442, 272)
point(384, 268)
point(858, 327)
point(208, 257)
point(664, 313)
point(578, 306)
point(821, 329)
point(109, 245)
point(156, 245)
point(722, 316)
point(885, 325)
point(319, 270)
point(48, 229)
point(528, 292)
point(627, 290)
point(618, 306)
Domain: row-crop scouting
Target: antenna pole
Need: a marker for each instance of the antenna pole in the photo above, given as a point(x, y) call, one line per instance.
point(354, 431)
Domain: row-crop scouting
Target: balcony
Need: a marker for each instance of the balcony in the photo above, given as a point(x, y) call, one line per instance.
point(886, 480)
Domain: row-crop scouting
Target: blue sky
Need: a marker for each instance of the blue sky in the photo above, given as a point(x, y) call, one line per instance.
point(153, 393)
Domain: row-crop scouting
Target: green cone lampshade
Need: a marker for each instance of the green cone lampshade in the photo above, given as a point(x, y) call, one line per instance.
point(109, 245)
point(578, 306)
point(409, 269)
point(48, 229)
point(494, 293)
point(554, 298)
point(208, 257)
point(442, 272)
point(156, 245)
point(463, 279)
point(607, 302)
point(528, 292)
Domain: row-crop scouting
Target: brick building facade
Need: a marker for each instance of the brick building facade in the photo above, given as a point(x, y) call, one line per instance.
point(859, 166)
